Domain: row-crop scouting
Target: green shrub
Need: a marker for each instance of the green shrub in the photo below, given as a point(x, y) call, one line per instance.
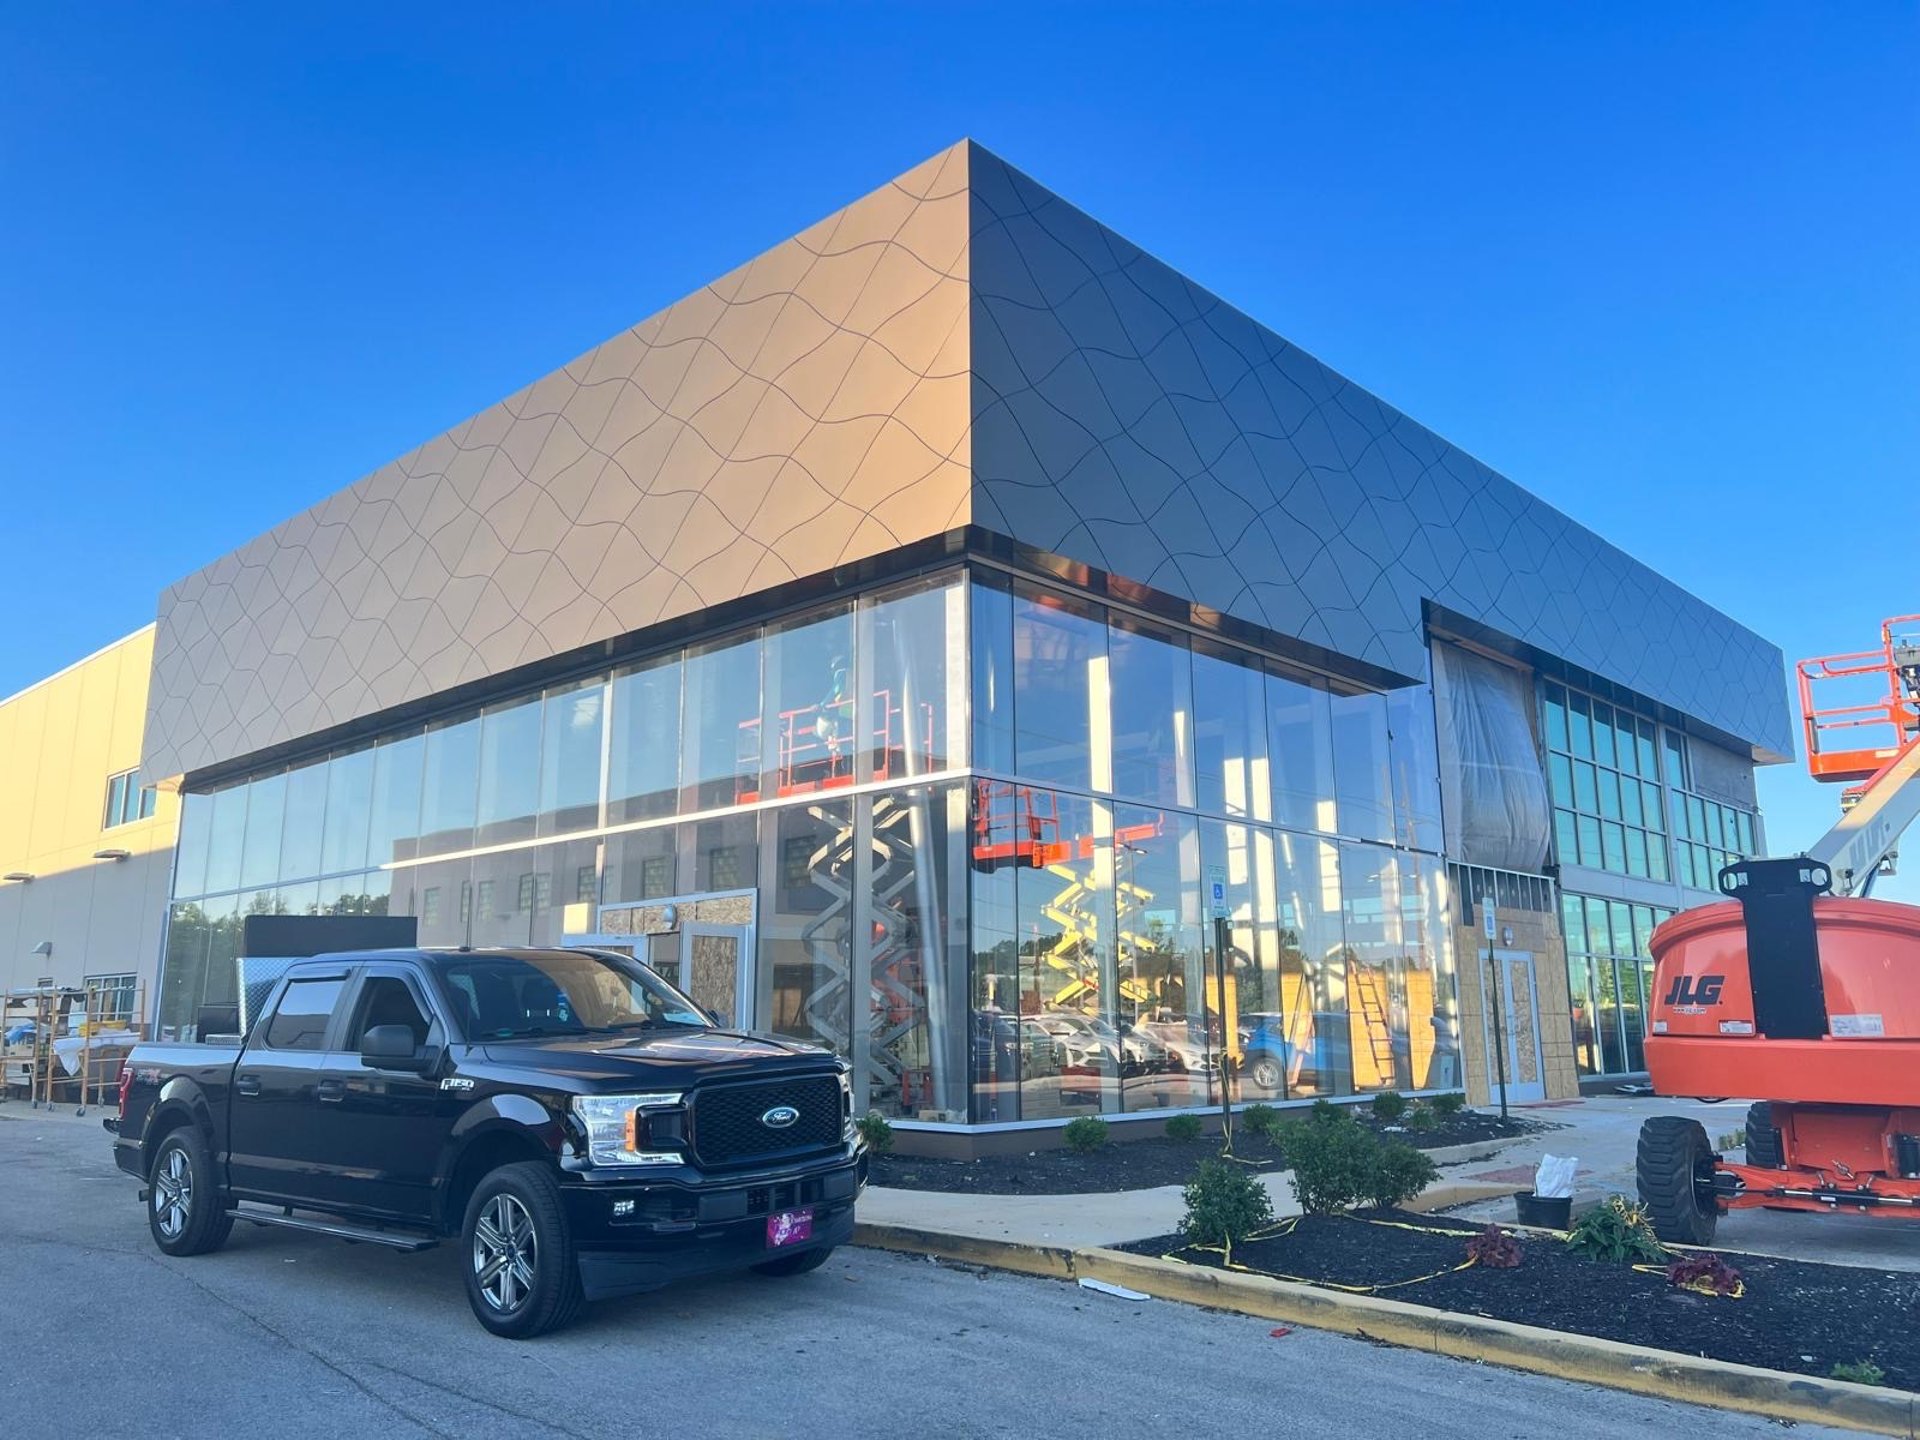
point(1183, 1128)
point(1389, 1106)
point(1396, 1173)
point(875, 1130)
point(1331, 1158)
point(1261, 1120)
point(1616, 1231)
point(1324, 1109)
point(1224, 1204)
point(1085, 1135)
point(1421, 1119)
point(1448, 1105)
point(1860, 1372)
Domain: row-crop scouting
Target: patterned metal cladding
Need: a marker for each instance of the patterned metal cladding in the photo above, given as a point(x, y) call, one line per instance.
point(1128, 419)
point(808, 410)
point(961, 346)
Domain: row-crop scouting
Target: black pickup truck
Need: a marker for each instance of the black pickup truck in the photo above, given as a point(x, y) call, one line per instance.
point(576, 1123)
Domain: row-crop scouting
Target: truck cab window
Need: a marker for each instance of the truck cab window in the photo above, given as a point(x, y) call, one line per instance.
point(300, 1022)
point(388, 1000)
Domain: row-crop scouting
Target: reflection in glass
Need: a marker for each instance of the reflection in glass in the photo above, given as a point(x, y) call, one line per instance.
point(807, 725)
point(1150, 686)
point(725, 853)
point(183, 977)
point(720, 740)
point(1230, 735)
point(570, 742)
point(1160, 960)
point(915, 1049)
point(1301, 746)
point(990, 627)
point(1429, 992)
point(266, 815)
point(450, 790)
point(1255, 984)
point(1415, 751)
point(343, 844)
point(641, 865)
point(912, 655)
point(398, 768)
point(306, 807)
point(1060, 691)
point(644, 759)
point(1362, 770)
point(509, 772)
point(190, 857)
point(1304, 1046)
point(999, 847)
point(805, 924)
point(1376, 1003)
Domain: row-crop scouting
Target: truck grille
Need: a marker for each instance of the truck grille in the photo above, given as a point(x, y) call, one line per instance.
point(728, 1130)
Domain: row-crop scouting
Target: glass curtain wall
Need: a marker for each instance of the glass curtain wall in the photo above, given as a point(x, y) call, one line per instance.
point(1610, 971)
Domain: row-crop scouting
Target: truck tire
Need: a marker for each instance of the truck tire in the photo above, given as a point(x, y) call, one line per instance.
point(1265, 1071)
point(185, 1210)
point(1763, 1138)
point(523, 1278)
point(799, 1264)
point(1672, 1159)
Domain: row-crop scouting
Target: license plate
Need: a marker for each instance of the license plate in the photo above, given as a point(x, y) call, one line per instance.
point(789, 1227)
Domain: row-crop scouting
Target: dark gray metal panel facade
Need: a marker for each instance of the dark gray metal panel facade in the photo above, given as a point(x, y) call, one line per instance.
point(808, 410)
point(1128, 419)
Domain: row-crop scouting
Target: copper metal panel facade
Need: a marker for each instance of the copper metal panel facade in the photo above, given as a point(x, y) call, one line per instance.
point(959, 347)
point(807, 410)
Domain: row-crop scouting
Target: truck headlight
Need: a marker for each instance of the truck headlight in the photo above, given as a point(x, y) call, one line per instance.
point(633, 1129)
point(847, 1128)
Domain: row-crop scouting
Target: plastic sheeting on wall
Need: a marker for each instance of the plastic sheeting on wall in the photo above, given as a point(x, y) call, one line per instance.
point(1493, 789)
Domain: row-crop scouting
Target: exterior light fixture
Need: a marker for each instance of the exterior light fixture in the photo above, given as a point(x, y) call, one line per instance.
point(25, 877)
point(45, 947)
point(113, 854)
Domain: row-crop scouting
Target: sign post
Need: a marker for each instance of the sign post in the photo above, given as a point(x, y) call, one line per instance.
point(1499, 1038)
point(1222, 913)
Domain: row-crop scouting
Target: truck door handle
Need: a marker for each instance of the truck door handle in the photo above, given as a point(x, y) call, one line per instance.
point(247, 1084)
point(332, 1091)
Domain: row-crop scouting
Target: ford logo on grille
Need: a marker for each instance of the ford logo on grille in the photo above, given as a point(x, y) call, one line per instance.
point(779, 1117)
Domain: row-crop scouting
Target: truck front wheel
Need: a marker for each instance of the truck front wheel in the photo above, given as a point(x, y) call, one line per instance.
point(185, 1209)
point(522, 1275)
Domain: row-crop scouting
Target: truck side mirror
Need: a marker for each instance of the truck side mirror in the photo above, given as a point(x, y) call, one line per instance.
point(391, 1047)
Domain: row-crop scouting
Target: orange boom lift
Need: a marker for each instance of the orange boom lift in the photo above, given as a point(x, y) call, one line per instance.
point(1800, 988)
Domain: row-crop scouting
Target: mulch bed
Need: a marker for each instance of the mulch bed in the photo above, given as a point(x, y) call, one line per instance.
point(1143, 1164)
point(1794, 1316)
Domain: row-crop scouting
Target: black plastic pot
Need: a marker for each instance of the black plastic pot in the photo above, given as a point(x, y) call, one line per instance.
point(1547, 1211)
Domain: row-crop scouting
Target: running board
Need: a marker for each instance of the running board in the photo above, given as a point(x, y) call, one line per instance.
point(338, 1229)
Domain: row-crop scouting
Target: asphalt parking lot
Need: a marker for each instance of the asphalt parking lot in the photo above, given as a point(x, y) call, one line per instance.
point(285, 1334)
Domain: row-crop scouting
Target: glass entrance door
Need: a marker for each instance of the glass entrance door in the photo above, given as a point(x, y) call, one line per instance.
point(716, 969)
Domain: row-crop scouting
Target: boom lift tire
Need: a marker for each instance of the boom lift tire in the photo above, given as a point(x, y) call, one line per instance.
point(1673, 1159)
point(1763, 1137)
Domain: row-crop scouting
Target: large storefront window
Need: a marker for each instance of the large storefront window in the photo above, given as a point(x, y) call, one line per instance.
point(1609, 972)
point(1604, 773)
point(1030, 944)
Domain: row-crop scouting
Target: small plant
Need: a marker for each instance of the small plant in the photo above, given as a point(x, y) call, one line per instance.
point(1330, 1157)
point(1085, 1135)
point(1494, 1248)
point(1224, 1204)
point(1184, 1128)
point(1324, 1109)
point(1421, 1119)
point(1448, 1105)
point(1616, 1231)
point(1261, 1120)
point(1860, 1372)
point(1708, 1274)
point(1389, 1106)
point(875, 1130)
point(1396, 1173)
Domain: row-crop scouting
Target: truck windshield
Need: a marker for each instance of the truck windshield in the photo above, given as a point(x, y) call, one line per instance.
point(559, 992)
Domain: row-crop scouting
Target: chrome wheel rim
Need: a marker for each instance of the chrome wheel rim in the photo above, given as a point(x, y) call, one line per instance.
point(1266, 1074)
point(505, 1253)
point(173, 1193)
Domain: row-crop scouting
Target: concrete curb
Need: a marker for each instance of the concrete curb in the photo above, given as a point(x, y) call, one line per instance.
point(1662, 1374)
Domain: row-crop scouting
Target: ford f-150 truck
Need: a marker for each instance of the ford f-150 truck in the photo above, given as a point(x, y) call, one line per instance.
point(577, 1124)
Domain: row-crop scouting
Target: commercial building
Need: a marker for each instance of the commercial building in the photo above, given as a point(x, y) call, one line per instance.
point(914, 639)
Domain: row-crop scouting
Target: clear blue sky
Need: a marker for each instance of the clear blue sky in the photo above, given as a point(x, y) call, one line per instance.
point(1656, 263)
